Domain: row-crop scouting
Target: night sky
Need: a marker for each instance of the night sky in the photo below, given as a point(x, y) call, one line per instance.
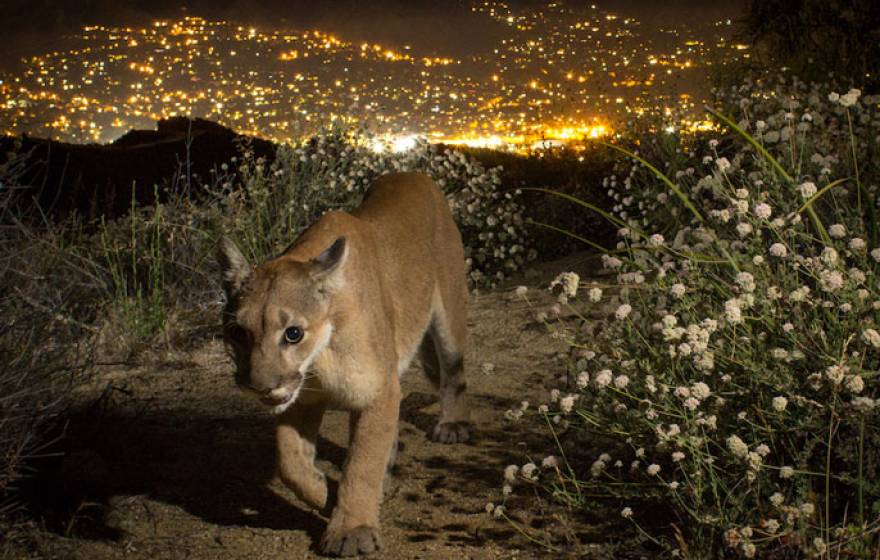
point(444, 27)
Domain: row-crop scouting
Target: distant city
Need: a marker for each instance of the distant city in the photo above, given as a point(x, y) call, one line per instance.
point(561, 72)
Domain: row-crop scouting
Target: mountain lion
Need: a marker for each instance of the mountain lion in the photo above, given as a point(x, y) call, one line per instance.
point(335, 321)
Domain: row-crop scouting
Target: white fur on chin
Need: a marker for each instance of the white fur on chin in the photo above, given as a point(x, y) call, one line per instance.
point(279, 408)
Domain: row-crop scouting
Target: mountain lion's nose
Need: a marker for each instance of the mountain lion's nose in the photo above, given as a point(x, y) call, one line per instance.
point(276, 397)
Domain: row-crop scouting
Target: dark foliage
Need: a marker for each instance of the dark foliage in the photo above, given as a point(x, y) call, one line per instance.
point(574, 173)
point(815, 38)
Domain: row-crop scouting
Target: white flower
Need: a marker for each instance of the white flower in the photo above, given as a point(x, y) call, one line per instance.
point(850, 98)
point(799, 294)
point(746, 281)
point(831, 280)
point(807, 189)
point(857, 244)
point(835, 374)
point(875, 254)
point(626, 513)
point(855, 384)
point(568, 281)
point(678, 290)
point(550, 461)
point(732, 311)
point(833, 97)
point(521, 291)
point(829, 255)
point(723, 164)
point(510, 472)
point(864, 404)
point(778, 250)
point(872, 337)
point(611, 262)
point(837, 231)
point(779, 403)
point(623, 311)
point(656, 240)
point(528, 471)
point(779, 353)
point(700, 390)
point(566, 403)
point(583, 379)
point(786, 472)
point(744, 228)
point(621, 381)
point(723, 215)
point(595, 294)
point(763, 211)
point(677, 456)
point(603, 378)
point(653, 469)
point(737, 446)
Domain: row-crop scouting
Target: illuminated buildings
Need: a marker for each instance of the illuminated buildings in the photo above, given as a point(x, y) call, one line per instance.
point(559, 73)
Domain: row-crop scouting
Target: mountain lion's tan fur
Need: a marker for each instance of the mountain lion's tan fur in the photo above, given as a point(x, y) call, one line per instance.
point(368, 290)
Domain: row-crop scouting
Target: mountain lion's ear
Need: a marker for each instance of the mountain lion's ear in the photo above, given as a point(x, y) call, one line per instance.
point(330, 261)
point(235, 267)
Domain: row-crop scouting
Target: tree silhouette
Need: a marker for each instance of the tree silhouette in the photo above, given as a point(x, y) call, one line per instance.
point(816, 38)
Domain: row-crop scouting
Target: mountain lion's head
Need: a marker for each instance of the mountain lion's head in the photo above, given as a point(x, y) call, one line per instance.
point(277, 318)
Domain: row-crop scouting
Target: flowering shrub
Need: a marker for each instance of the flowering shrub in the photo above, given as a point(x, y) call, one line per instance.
point(736, 380)
point(273, 203)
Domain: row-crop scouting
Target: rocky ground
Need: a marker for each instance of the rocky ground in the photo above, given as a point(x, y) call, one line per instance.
point(168, 460)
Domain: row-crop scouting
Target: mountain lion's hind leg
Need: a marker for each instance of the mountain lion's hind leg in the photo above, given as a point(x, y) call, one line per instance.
point(442, 360)
point(296, 434)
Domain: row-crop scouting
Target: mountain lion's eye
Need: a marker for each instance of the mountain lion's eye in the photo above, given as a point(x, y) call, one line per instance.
point(292, 335)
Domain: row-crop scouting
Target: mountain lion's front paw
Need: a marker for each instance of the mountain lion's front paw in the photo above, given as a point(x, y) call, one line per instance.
point(452, 432)
point(351, 542)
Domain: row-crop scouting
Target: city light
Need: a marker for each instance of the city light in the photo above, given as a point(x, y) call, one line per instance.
point(559, 74)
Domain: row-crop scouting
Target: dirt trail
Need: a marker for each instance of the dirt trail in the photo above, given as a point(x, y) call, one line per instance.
point(174, 463)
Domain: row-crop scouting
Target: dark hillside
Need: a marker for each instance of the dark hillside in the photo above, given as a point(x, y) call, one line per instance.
point(98, 180)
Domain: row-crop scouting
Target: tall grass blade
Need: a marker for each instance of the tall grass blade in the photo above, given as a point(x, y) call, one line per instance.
point(613, 219)
point(592, 244)
point(817, 223)
point(660, 175)
point(818, 195)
